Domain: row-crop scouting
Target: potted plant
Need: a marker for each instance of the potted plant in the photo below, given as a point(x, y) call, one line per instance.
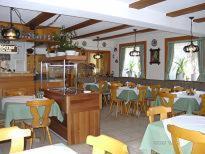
point(180, 69)
point(130, 69)
point(65, 42)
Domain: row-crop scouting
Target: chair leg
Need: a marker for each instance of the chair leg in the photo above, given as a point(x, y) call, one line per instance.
point(111, 104)
point(117, 104)
point(49, 135)
point(31, 139)
point(44, 134)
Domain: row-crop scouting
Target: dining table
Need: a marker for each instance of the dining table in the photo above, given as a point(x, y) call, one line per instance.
point(15, 107)
point(184, 102)
point(91, 86)
point(157, 137)
point(59, 148)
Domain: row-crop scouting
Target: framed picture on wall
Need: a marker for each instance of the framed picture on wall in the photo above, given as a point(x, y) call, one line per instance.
point(154, 56)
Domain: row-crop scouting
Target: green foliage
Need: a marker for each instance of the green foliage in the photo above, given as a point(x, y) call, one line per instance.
point(180, 68)
point(65, 40)
point(131, 65)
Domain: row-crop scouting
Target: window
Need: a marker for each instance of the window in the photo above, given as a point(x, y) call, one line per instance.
point(184, 65)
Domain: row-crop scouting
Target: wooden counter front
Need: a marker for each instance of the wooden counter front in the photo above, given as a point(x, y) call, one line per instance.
point(81, 115)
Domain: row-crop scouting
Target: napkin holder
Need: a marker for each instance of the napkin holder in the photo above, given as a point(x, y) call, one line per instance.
point(39, 94)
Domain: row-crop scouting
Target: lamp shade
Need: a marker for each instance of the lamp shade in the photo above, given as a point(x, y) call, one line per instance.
point(191, 48)
point(98, 56)
point(10, 33)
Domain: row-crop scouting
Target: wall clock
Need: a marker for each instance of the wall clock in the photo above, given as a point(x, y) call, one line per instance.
point(154, 42)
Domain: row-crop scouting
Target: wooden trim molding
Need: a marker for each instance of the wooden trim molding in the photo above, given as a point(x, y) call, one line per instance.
point(82, 25)
point(199, 20)
point(125, 34)
point(144, 3)
point(144, 43)
point(173, 39)
point(103, 31)
point(187, 10)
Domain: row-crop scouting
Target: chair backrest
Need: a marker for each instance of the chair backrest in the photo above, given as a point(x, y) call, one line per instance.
point(167, 99)
point(103, 144)
point(17, 137)
point(154, 91)
point(165, 90)
point(142, 93)
point(202, 110)
point(113, 90)
point(103, 86)
point(131, 84)
point(178, 88)
point(158, 110)
point(197, 138)
point(38, 120)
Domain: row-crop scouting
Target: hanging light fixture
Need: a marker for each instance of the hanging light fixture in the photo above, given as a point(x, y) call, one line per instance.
point(191, 47)
point(98, 55)
point(10, 33)
point(135, 52)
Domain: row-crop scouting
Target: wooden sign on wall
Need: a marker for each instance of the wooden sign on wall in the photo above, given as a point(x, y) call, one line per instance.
point(8, 49)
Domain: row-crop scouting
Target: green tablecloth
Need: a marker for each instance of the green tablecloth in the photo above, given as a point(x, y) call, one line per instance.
point(127, 95)
point(21, 111)
point(91, 87)
point(155, 138)
point(182, 104)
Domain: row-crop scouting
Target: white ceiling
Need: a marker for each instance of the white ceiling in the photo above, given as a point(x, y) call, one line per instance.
point(112, 12)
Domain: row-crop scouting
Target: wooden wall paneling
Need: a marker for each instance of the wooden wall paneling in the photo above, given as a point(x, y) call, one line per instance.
point(199, 20)
point(144, 3)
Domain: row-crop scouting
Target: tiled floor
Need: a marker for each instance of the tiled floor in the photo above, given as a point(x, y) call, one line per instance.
point(128, 129)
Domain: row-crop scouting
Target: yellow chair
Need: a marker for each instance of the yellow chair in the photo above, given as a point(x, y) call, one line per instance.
point(202, 109)
point(167, 100)
point(103, 85)
point(165, 90)
point(155, 91)
point(113, 98)
point(17, 137)
point(103, 144)
point(197, 138)
point(158, 110)
point(38, 121)
point(178, 88)
point(131, 84)
point(141, 102)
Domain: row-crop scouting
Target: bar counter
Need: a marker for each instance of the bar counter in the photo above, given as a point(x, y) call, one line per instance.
point(81, 115)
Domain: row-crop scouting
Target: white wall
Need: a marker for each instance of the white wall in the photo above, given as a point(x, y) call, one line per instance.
point(154, 71)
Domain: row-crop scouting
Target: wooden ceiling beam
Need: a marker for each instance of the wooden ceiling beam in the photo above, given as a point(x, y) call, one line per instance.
point(39, 19)
point(125, 34)
point(103, 31)
point(82, 25)
point(144, 3)
point(199, 20)
point(187, 10)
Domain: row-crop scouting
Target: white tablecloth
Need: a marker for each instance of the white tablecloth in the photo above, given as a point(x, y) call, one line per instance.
point(18, 99)
point(183, 94)
point(120, 89)
point(50, 149)
point(191, 122)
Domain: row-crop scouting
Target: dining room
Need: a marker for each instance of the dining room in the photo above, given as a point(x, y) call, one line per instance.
point(117, 76)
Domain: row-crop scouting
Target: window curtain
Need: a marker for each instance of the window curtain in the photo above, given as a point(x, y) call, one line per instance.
point(170, 56)
point(122, 59)
point(142, 61)
point(201, 58)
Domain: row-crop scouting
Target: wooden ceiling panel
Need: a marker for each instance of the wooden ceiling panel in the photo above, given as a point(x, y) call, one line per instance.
point(82, 25)
point(126, 34)
point(187, 10)
point(103, 31)
point(39, 19)
point(199, 20)
point(144, 3)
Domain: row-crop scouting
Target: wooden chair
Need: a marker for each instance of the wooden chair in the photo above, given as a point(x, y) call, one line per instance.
point(103, 144)
point(167, 100)
point(155, 91)
point(113, 99)
point(39, 121)
point(141, 102)
point(165, 90)
point(158, 110)
point(104, 90)
point(17, 137)
point(197, 138)
point(131, 84)
point(202, 109)
point(178, 88)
